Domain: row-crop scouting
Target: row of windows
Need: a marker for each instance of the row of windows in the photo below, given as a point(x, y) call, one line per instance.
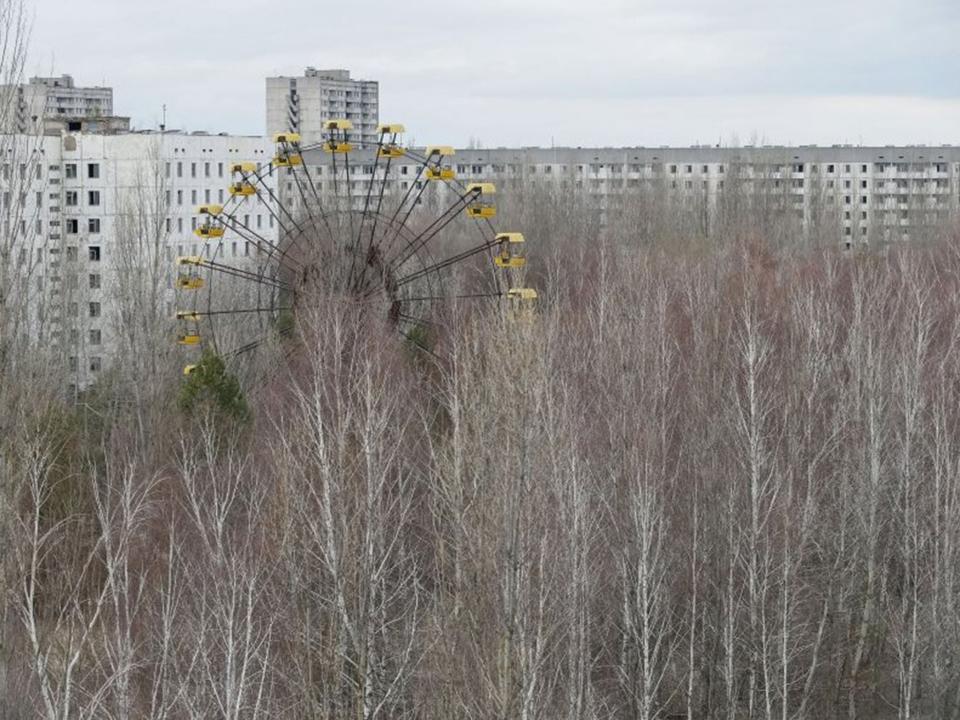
point(95, 363)
point(258, 219)
point(94, 281)
point(207, 169)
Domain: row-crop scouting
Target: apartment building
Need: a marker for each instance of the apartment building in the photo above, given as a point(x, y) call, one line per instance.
point(96, 208)
point(53, 98)
point(875, 194)
point(303, 104)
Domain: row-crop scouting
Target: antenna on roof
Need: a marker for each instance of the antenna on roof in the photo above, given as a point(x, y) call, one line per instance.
point(163, 122)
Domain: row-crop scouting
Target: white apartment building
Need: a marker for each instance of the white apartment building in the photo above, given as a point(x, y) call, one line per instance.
point(89, 199)
point(303, 104)
point(54, 98)
point(874, 194)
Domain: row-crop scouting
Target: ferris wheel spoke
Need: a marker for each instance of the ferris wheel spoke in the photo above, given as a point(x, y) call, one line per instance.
point(431, 231)
point(195, 314)
point(418, 184)
point(316, 194)
point(306, 201)
point(493, 245)
point(363, 215)
point(259, 342)
point(424, 298)
point(459, 257)
point(242, 274)
point(284, 230)
point(361, 283)
point(250, 235)
point(261, 187)
point(417, 342)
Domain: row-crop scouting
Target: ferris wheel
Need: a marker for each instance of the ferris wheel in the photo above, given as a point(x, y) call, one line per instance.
point(405, 242)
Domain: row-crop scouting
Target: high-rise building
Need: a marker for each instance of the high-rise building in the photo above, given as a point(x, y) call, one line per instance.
point(96, 217)
point(303, 104)
point(45, 99)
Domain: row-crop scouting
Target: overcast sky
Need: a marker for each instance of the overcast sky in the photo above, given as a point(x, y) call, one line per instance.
point(535, 72)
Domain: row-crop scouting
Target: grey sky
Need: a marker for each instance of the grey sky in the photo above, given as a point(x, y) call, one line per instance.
point(532, 72)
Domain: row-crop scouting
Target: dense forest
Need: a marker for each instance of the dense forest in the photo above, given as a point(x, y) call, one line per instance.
point(706, 477)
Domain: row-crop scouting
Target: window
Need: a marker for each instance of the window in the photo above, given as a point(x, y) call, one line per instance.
point(69, 170)
point(73, 310)
point(179, 225)
point(73, 362)
point(206, 169)
point(93, 197)
point(93, 252)
point(73, 226)
point(193, 170)
point(94, 309)
point(71, 253)
point(94, 280)
point(167, 170)
point(93, 226)
point(93, 170)
point(168, 224)
point(95, 364)
point(206, 196)
point(179, 169)
point(179, 197)
point(219, 169)
point(193, 197)
point(72, 198)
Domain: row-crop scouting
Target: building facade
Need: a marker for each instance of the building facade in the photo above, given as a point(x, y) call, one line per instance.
point(101, 218)
point(873, 193)
point(53, 99)
point(303, 104)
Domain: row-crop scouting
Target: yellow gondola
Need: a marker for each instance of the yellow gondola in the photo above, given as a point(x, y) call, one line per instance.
point(288, 150)
point(190, 260)
point(390, 129)
point(440, 173)
point(440, 151)
point(242, 188)
point(335, 146)
point(185, 339)
point(339, 124)
point(189, 282)
point(288, 138)
point(246, 168)
point(208, 231)
point(391, 151)
point(522, 294)
point(211, 210)
point(478, 207)
point(510, 254)
point(188, 315)
point(287, 159)
point(189, 369)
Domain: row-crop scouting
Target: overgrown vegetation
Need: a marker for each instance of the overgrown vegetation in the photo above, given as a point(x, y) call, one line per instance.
point(211, 386)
